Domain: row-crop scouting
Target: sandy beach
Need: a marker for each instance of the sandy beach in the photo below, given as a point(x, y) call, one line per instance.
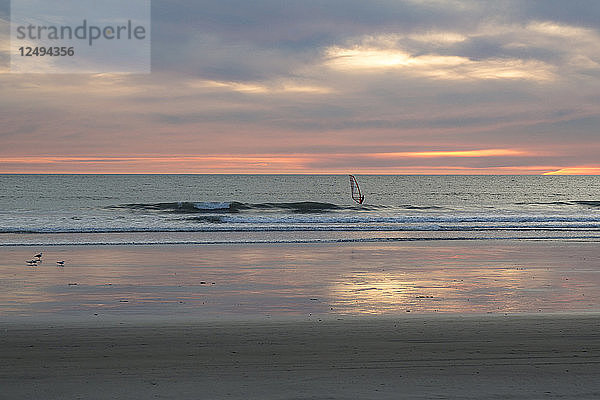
point(471, 357)
point(473, 320)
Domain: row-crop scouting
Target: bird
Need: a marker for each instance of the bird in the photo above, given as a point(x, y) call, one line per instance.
point(39, 255)
point(33, 263)
point(61, 263)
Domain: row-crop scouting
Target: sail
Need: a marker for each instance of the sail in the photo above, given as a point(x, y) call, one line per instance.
point(357, 196)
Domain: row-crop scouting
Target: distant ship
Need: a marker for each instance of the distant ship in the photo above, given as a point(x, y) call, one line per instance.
point(357, 196)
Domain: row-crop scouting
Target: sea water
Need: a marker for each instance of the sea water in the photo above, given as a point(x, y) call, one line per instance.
point(208, 209)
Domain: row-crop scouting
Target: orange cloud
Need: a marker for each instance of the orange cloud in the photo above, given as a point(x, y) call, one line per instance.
point(156, 164)
point(373, 163)
point(575, 171)
point(460, 153)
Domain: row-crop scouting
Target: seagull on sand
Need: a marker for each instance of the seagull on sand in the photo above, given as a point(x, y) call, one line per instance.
point(33, 263)
point(61, 263)
point(38, 255)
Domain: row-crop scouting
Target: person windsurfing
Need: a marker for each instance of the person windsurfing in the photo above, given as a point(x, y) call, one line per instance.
point(357, 196)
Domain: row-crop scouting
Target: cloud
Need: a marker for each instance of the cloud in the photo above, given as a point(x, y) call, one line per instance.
point(274, 87)
point(4, 44)
point(253, 163)
point(582, 170)
point(537, 51)
point(437, 66)
point(459, 153)
point(385, 85)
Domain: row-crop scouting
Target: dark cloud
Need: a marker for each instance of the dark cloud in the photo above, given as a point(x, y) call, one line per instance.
point(239, 40)
point(577, 12)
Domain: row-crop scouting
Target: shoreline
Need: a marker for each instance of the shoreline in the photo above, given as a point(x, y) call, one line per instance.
point(318, 237)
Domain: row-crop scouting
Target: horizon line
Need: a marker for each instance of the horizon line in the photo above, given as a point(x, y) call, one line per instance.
point(289, 173)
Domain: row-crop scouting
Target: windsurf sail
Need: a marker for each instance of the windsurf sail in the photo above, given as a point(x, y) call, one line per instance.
point(357, 196)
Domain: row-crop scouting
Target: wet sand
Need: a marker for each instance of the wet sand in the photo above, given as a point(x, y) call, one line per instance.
point(473, 357)
point(302, 279)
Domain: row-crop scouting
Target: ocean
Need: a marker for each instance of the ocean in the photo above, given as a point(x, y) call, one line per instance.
point(49, 210)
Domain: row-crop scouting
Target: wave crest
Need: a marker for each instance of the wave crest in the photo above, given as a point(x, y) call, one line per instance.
point(302, 207)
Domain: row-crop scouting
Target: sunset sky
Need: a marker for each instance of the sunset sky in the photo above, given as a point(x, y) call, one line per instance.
point(338, 86)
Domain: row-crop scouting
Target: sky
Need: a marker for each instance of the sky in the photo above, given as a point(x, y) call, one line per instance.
point(319, 87)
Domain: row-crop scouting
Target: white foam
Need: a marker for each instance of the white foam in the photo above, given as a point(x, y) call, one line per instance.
point(213, 205)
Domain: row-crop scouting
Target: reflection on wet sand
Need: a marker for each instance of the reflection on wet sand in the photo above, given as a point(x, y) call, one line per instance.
point(480, 290)
point(547, 277)
point(316, 279)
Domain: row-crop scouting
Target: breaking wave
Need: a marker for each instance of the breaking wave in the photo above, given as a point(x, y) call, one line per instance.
point(594, 204)
point(302, 207)
point(586, 203)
